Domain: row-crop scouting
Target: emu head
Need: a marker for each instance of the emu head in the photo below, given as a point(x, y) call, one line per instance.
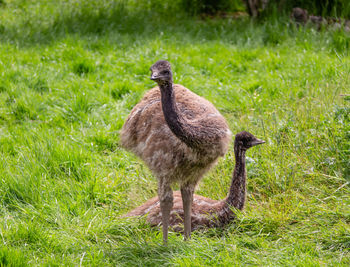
point(161, 72)
point(246, 140)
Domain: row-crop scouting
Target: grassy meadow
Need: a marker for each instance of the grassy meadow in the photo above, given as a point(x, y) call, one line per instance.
point(71, 71)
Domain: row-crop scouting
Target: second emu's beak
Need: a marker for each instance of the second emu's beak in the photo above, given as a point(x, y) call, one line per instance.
point(257, 142)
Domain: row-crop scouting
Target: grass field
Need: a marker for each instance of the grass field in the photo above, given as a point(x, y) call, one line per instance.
point(70, 73)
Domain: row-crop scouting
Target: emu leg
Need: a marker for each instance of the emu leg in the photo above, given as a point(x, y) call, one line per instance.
point(165, 195)
point(187, 199)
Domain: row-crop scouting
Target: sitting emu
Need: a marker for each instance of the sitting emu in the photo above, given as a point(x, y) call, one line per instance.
point(207, 212)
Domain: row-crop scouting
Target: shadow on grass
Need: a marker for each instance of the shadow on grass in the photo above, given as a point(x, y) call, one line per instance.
point(44, 23)
point(139, 244)
point(144, 254)
point(41, 23)
point(62, 21)
point(136, 243)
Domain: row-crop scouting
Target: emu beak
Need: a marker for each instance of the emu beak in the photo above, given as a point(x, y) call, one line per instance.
point(257, 142)
point(154, 76)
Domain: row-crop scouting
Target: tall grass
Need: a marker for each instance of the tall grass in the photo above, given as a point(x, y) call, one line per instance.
point(70, 72)
point(329, 8)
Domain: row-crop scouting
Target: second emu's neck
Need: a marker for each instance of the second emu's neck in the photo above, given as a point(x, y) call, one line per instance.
point(236, 196)
point(173, 118)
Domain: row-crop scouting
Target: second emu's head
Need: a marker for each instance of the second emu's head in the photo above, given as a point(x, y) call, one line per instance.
point(161, 72)
point(245, 140)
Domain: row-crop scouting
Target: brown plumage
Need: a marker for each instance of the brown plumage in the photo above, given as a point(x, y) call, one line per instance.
point(299, 15)
point(207, 212)
point(179, 135)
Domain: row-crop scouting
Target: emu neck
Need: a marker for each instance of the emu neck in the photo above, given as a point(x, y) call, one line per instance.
point(173, 118)
point(236, 196)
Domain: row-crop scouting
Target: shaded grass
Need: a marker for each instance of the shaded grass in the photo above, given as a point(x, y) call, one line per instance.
point(70, 74)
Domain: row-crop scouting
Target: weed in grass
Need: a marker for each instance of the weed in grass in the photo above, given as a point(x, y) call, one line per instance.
point(12, 257)
point(83, 68)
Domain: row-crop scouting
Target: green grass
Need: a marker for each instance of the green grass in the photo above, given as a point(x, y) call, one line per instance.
point(70, 73)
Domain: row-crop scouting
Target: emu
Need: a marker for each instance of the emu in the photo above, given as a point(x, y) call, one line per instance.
point(179, 135)
point(207, 212)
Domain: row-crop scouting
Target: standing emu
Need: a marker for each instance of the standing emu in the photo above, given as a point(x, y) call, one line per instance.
point(179, 135)
point(207, 212)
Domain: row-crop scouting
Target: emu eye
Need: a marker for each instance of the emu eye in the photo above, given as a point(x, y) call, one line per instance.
point(166, 72)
